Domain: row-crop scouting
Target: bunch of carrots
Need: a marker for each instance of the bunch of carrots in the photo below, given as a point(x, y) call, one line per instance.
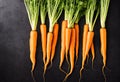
point(73, 11)
point(54, 11)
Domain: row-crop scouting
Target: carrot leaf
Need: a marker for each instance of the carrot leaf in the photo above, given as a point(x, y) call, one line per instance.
point(104, 5)
point(43, 10)
point(32, 7)
point(72, 8)
point(90, 12)
point(54, 8)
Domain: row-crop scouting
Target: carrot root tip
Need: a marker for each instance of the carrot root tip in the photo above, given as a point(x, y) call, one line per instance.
point(66, 77)
point(50, 65)
point(43, 77)
point(104, 73)
point(33, 76)
point(67, 58)
point(33, 66)
point(62, 70)
point(76, 59)
point(45, 69)
point(81, 72)
point(92, 63)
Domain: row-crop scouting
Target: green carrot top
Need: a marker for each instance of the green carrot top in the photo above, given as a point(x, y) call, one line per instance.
point(90, 12)
point(32, 7)
point(82, 10)
point(104, 5)
point(54, 8)
point(72, 8)
point(43, 10)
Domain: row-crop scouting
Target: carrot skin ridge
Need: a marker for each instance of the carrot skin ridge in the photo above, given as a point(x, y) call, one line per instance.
point(43, 31)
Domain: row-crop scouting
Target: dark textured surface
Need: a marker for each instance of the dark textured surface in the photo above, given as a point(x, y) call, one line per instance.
point(15, 65)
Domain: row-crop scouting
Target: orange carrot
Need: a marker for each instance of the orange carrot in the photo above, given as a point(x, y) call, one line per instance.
point(63, 40)
point(54, 42)
point(49, 45)
point(43, 31)
point(76, 39)
point(72, 47)
point(33, 44)
point(103, 35)
point(90, 36)
point(68, 38)
point(85, 32)
point(93, 53)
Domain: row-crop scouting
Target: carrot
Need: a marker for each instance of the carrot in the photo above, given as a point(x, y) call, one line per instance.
point(33, 13)
point(54, 42)
point(68, 35)
point(49, 45)
point(103, 39)
point(72, 47)
point(104, 6)
point(93, 53)
point(76, 39)
point(63, 44)
point(43, 31)
point(89, 15)
point(33, 44)
point(85, 32)
point(54, 11)
point(89, 42)
point(103, 43)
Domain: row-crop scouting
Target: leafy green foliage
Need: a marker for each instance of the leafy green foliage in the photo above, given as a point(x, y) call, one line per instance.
point(90, 13)
point(32, 7)
point(43, 10)
point(103, 11)
point(72, 10)
point(54, 8)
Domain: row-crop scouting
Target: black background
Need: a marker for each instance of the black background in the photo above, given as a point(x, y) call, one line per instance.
point(15, 65)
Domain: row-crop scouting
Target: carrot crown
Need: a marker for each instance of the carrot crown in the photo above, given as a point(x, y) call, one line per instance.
point(54, 8)
point(104, 5)
point(43, 10)
point(72, 8)
point(90, 12)
point(32, 7)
